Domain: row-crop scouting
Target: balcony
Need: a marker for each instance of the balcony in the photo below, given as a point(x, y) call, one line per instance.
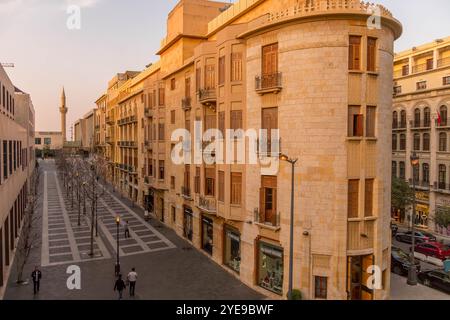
point(127, 144)
point(443, 62)
point(208, 205)
point(261, 219)
point(421, 68)
point(109, 140)
point(208, 97)
point(424, 124)
point(186, 192)
point(268, 149)
point(399, 125)
point(268, 83)
point(445, 123)
point(360, 235)
point(186, 104)
point(110, 121)
point(148, 180)
point(148, 145)
point(127, 120)
point(148, 112)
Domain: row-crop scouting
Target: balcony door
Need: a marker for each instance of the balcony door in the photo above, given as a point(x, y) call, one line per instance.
point(269, 123)
point(357, 277)
point(269, 65)
point(268, 200)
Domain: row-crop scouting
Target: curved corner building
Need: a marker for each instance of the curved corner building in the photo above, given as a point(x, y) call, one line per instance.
point(320, 71)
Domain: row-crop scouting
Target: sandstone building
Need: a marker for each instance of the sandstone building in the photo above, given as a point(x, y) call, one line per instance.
point(312, 69)
point(421, 123)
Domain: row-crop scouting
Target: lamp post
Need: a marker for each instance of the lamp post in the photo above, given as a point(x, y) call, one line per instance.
point(118, 244)
point(284, 157)
point(412, 272)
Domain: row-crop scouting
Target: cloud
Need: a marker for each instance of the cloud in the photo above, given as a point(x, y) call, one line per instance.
point(83, 3)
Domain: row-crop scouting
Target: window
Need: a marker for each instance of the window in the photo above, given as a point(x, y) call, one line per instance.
point(403, 119)
point(426, 117)
point(426, 173)
point(5, 160)
point(187, 87)
point(442, 176)
point(394, 168)
point(402, 142)
point(161, 132)
point(210, 174)
point(353, 198)
point(268, 200)
point(221, 186)
point(394, 142)
point(222, 70)
point(443, 141)
point(394, 120)
point(161, 97)
point(222, 123)
point(405, 70)
point(174, 214)
point(446, 81)
point(426, 142)
point(368, 202)
point(236, 188)
point(172, 116)
point(47, 141)
point(355, 122)
point(38, 141)
point(416, 175)
point(354, 53)
point(443, 116)
point(416, 142)
point(370, 121)
point(402, 170)
point(417, 118)
point(397, 90)
point(269, 123)
point(236, 119)
point(172, 84)
point(172, 182)
point(320, 291)
point(270, 267)
point(210, 77)
point(371, 54)
point(236, 66)
point(198, 79)
point(430, 64)
point(161, 169)
point(269, 64)
point(232, 256)
point(197, 180)
point(421, 85)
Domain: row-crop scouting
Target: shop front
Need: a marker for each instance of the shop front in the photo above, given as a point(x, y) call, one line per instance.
point(270, 267)
point(422, 210)
point(232, 249)
point(188, 223)
point(207, 235)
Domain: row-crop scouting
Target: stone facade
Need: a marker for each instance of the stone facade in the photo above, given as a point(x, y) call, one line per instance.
point(266, 64)
point(421, 124)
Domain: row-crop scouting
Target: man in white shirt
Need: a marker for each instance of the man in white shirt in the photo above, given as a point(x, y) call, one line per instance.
point(132, 278)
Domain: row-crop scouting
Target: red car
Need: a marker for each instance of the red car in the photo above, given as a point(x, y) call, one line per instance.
point(434, 249)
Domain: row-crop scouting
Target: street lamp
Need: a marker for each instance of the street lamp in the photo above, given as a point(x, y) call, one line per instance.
point(412, 272)
point(284, 157)
point(118, 261)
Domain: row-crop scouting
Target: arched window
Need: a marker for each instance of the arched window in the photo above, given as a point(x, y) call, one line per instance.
point(402, 142)
point(394, 168)
point(443, 114)
point(416, 142)
point(402, 170)
point(417, 118)
point(395, 120)
point(403, 119)
point(443, 141)
point(426, 142)
point(442, 176)
point(426, 173)
point(426, 117)
point(394, 142)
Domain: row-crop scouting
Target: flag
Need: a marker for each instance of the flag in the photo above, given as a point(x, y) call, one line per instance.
point(439, 119)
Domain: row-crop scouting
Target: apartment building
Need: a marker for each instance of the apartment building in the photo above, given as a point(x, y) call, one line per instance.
point(314, 72)
point(84, 131)
point(421, 124)
point(16, 165)
point(50, 141)
point(100, 125)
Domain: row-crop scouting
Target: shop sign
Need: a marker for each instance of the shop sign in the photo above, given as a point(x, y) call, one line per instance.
point(271, 251)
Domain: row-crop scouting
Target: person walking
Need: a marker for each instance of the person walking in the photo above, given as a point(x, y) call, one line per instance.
point(119, 286)
point(127, 230)
point(36, 275)
point(132, 278)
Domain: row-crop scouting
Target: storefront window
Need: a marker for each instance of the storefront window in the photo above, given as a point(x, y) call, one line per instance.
point(207, 235)
point(187, 227)
point(270, 275)
point(232, 249)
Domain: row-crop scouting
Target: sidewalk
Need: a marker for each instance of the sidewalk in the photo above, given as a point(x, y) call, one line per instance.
point(400, 290)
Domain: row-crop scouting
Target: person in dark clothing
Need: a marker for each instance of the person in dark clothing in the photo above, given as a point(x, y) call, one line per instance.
point(119, 286)
point(127, 230)
point(36, 275)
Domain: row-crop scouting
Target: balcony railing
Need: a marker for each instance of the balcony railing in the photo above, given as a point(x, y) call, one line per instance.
point(420, 68)
point(207, 96)
point(186, 103)
point(421, 124)
point(110, 120)
point(127, 144)
point(268, 82)
point(443, 62)
point(208, 205)
point(260, 218)
point(148, 145)
point(127, 120)
point(109, 140)
point(186, 192)
point(148, 112)
point(399, 125)
point(445, 123)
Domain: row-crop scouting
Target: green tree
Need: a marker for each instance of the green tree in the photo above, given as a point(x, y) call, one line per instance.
point(402, 194)
point(442, 217)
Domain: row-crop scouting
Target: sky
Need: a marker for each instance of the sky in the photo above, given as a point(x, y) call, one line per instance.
point(119, 35)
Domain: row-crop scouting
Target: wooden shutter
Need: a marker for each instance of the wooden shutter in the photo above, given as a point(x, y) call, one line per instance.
point(236, 66)
point(370, 121)
point(236, 188)
point(270, 59)
point(221, 70)
point(353, 196)
point(358, 129)
point(371, 54)
point(210, 121)
point(172, 116)
point(269, 123)
point(368, 201)
point(210, 77)
point(236, 119)
point(187, 87)
point(262, 204)
point(198, 79)
point(221, 186)
point(354, 58)
point(222, 122)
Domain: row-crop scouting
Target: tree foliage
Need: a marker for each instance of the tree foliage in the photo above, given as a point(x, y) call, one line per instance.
point(442, 217)
point(402, 193)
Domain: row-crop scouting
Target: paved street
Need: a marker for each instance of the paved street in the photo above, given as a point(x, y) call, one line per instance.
point(168, 266)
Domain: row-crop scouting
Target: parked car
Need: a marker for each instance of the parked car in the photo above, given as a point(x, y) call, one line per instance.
point(434, 249)
point(420, 237)
point(394, 229)
point(401, 262)
point(438, 279)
